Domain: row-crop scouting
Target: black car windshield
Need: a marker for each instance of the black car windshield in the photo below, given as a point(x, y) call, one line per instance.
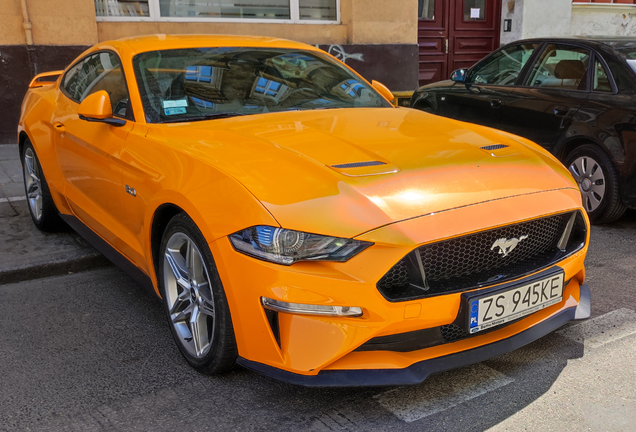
point(205, 83)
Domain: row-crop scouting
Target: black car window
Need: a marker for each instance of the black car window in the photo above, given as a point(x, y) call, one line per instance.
point(601, 79)
point(502, 67)
point(99, 71)
point(560, 66)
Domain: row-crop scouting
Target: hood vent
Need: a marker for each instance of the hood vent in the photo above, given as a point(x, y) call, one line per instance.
point(358, 164)
point(494, 147)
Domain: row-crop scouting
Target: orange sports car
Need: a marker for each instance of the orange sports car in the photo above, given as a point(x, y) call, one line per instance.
point(296, 223)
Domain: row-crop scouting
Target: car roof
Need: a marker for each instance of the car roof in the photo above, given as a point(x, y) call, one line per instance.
point(163, 41)
point(598, 42)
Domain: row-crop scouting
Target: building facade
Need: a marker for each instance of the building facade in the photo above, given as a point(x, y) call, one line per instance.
point(401, 43)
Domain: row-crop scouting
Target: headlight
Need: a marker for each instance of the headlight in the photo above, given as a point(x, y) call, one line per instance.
point(286, 247)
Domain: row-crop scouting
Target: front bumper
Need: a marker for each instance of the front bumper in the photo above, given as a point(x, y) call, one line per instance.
point(418, 372)
point(304, 347)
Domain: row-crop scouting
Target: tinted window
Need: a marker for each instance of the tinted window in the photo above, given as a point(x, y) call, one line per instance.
point(601, 80)
point(560, 66)
point(193, 84)
point(503, 67)
point(100, 71)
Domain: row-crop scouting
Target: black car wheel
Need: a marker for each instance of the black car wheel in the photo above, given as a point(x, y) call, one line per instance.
point(41, 206)
point(597, 178)
point(194, 299)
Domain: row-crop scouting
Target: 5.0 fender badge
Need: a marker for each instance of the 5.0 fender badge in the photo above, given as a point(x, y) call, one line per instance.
point(506, 246)
point(131, 191)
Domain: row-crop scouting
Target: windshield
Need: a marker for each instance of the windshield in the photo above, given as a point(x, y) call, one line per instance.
point(199, 83)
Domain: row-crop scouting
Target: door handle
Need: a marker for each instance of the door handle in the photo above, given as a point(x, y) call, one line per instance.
point(495, 103)
point(561, 111)
point(60, 127)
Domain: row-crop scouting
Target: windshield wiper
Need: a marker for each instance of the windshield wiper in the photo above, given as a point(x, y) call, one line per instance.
point(208, 116)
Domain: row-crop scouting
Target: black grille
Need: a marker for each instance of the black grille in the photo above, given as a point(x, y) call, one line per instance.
point(483, 258)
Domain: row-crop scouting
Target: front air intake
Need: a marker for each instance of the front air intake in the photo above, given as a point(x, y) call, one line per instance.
point(484, 258)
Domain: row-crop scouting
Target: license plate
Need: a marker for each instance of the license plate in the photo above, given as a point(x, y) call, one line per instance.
point(508, 305)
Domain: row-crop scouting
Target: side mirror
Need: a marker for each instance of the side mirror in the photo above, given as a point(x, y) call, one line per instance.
point(383, 90)
point(97, 108)
point(459, 75)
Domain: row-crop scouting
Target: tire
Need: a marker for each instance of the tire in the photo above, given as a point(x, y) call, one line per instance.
point(43, 212)
point(194, 299)
point(598, 181)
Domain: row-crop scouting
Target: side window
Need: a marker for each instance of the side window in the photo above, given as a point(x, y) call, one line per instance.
point(503, 67)
point(562, 67)
point(100, 71)
point(601, 80)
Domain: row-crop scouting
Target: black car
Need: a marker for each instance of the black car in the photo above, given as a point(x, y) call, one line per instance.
point(575, 97)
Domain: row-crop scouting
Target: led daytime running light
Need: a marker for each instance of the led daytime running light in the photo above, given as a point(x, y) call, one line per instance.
point(309, 309)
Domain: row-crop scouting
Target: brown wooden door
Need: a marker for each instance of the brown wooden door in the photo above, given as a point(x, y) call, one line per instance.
point(453, 34)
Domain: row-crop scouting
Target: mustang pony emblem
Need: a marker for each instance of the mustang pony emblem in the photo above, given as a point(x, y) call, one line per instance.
point(506, 246)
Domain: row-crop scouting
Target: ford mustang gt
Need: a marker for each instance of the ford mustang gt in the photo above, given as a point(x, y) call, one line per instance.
point(296, 223)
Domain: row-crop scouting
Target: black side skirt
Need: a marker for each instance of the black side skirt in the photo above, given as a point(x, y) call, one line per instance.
point(418, 372)
point(110, 252)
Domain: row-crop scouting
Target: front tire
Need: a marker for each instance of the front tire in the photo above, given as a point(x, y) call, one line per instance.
point(43, 212)
point(598, 182)
point(194, 299)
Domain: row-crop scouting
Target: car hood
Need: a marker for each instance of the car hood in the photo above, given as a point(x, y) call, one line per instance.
point(303, 166)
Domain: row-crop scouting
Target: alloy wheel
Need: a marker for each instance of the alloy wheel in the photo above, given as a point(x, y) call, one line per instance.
point(589, 176)
point(33, 183)
point(189, 295)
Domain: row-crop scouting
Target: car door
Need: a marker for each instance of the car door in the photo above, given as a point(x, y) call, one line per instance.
point(89, 152)
point(553, 91)
point(481, 97)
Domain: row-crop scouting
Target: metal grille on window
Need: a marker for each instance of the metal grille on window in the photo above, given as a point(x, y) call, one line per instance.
point(122, 8)
point(256, 9)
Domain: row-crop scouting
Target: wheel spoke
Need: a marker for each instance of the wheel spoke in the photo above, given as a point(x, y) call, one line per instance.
point(576, 169)
point(598, 175)
point(182, 300)
point(183, 315)
point(180, 273)
point(199, 330)
point(598, 190)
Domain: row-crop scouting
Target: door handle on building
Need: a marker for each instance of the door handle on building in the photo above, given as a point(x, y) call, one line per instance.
point(60, 127)
point(446, 46)
point(495, 103)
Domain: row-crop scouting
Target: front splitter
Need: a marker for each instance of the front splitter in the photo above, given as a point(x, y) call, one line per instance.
point(418, 372)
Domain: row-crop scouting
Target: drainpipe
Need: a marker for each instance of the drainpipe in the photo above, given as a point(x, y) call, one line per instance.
point(26, 24)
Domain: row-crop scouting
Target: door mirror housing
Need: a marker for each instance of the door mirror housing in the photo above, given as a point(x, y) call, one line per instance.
point(96, 107)
point(383, 90)
point(459, 75)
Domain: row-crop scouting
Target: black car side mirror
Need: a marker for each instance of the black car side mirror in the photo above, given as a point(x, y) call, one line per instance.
point(459, 75)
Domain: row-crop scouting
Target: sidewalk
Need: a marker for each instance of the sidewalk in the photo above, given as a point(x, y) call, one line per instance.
point(25, 252)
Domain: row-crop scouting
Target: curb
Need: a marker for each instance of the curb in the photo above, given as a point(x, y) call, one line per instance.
point(37, 270)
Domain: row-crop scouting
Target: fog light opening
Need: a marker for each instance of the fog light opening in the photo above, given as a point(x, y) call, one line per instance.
point(309, 309)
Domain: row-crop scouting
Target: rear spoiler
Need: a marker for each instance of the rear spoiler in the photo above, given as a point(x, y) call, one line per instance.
point(45, 78)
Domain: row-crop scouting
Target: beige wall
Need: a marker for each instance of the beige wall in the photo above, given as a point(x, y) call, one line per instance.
point(55, 22)
point(73, 22)
point(380, 21)
point(313, 34)
point(603, 20)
